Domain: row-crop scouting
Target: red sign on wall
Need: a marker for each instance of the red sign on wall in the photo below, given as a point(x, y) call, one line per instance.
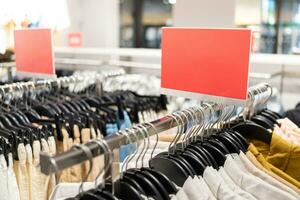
point(75, 39)
point(208, 64)
point(34, 53)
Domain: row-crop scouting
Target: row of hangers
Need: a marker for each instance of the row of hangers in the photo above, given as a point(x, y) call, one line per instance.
point(200, 141)
point(56, 105)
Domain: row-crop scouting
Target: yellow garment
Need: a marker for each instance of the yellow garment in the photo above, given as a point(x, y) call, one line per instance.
point(257, 164)
point(281, 154)
point(260, 158)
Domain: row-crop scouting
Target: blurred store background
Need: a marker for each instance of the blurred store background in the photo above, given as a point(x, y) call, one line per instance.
point(106, 33)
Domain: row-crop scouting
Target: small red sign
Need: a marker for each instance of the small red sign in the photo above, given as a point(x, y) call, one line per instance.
point(34, 53)
point(75, 39)
point(209, 64)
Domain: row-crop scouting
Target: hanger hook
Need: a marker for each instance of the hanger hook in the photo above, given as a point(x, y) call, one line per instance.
point(187, 124)
point(177, 132)
point(89, 154)
point(193, 123)
point(157, 138)
point(125, 133)
point(181, 131)
point(211, 112)
point(108, 159)
point(144, 128)
point(129, 158)
point(200, 121)
point(140, 131)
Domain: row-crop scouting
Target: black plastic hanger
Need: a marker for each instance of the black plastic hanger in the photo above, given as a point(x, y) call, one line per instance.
point(199, 156)
point(227, 142)
point(171, 168)
point(270, 117)
point(203, 154)
point(45, 110)
point(263, 121)
point(236, 139)
point(106, 195)
point(134, 184)
point(239, 137)
point(180, 160)
point(152, 179)
point(146, 184)
point(169, 186)
point(124, 191)
point(194, 162)
point(216, 143)
point(251, 130)
point(275, 114)
point(218, 155)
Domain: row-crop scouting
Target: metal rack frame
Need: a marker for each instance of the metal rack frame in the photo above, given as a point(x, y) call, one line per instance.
point(53, 164)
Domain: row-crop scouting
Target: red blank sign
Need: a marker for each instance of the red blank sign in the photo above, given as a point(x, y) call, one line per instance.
point(206, 63)
point(34, 52)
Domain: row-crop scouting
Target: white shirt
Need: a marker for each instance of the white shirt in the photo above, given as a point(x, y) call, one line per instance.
point(180, 195)
point(233, 186)
point(192, 191)
point(218, 187)
point(66, 190)
point(254, 185)
point(199, 181)
point(3, 179)
point(265, 177)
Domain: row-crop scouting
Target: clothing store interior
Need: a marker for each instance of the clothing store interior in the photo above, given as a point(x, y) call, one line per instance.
point(149, 99)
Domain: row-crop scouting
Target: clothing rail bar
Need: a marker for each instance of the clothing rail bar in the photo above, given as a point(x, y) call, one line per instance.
point(53, 164)
point(39, 84)
point(26, 86)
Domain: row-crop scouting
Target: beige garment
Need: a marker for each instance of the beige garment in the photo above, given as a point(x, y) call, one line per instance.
point(169, 137)
point(30, 168)
point(21, 173)
point(38, 191)
point(85, 137)
point(13, 190)
point(43, 177)
point(252, 158)
point(97, 162)
point(93, 133)
point(51, 180)
point(62, 146)
point(75, 171)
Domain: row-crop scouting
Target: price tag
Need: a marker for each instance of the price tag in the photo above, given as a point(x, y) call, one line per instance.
point(34, 53)
point(207, 64)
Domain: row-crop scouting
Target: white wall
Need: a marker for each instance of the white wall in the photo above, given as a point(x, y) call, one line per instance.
point(248, 12)
point(98, 20)
point(204, 13)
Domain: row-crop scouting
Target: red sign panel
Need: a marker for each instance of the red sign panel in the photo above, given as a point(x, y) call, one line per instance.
point(75, 39)
point(34, 52)
point(209, 64)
